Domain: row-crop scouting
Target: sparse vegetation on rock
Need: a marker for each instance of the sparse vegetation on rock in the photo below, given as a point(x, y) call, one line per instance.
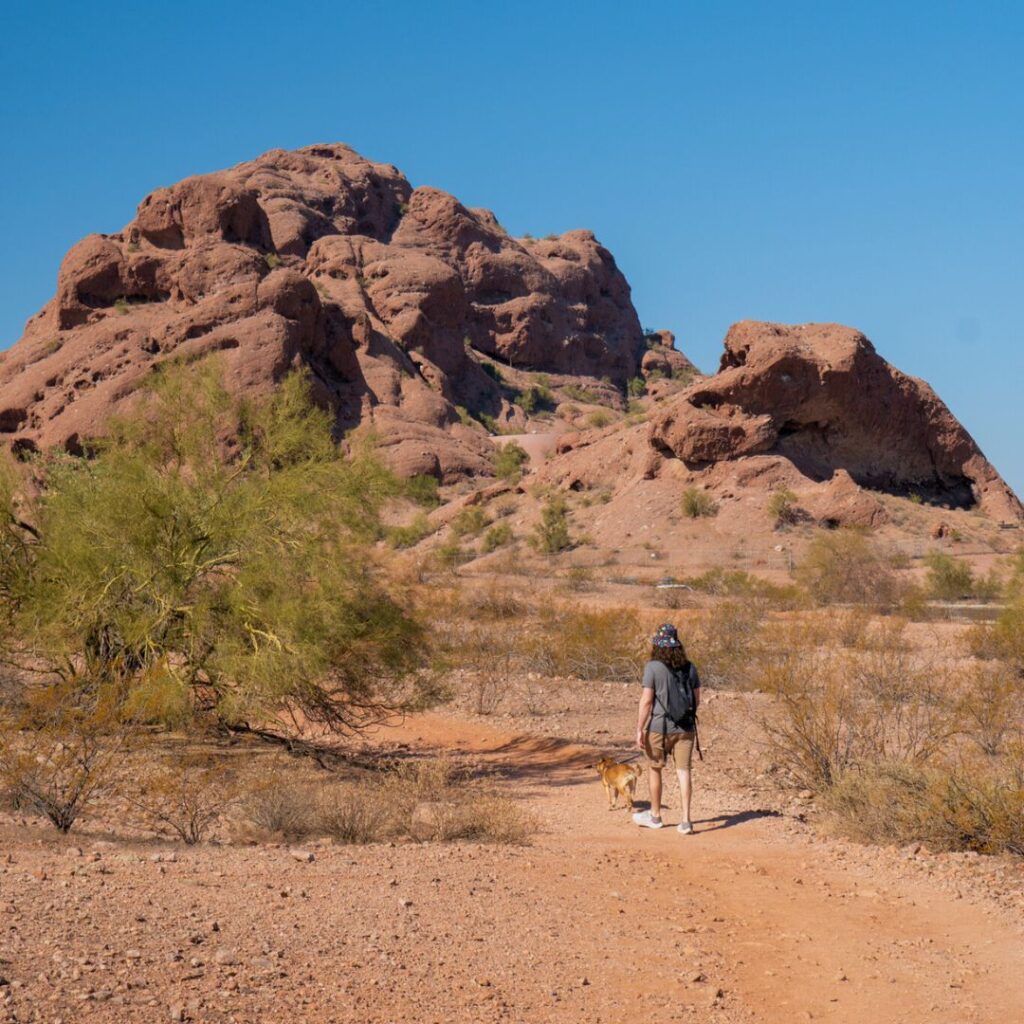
point(551, 534)
point(698, 504)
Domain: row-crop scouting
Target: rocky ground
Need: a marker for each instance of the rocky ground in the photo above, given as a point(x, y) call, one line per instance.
point(758, 917)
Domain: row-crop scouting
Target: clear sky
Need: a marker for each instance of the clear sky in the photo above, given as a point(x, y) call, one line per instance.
point(789, 160)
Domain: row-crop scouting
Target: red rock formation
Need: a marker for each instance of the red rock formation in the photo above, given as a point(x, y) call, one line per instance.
point(821, 397)
point(663, 359)
point(321, 258)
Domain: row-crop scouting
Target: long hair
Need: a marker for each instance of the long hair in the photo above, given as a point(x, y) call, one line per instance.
point(673, 657)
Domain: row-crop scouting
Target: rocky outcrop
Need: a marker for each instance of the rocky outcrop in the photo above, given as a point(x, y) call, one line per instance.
point(663, 360)
point(820, 396)
point(318, 257)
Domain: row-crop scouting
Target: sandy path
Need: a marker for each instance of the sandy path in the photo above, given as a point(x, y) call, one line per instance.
point(751, 921)
point(794, 931)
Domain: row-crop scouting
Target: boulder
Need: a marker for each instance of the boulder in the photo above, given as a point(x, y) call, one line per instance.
point(821, 397)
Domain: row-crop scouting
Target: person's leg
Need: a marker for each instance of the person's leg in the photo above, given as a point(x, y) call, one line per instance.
point(682, 755)
point(685, 791)
point(655, 750)
point(654, 784)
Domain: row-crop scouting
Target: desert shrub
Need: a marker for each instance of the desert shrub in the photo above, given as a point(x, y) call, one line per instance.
point(990, 705)
point(272, 260)
point(63, 745)
point(206, 590)
point(496, 537)
point(281, 806)
point(423, 489)
point(948, 578)
point(782, 508)
point(579, 579)
point(599, 419)
point(551, 534)
point(492, 371)
point(988, 587)
point(813, 728)
point(850, 626)
point(725, 642)
point(470, 521)
point(535, 398)
point(1015, 583)
point(452, 554)
point(504, 507)
point(599, 643)
point(914, 605)
point(1003, 639)
point(886, 803)
point(410, 534)
point(582, 394)
point(348, 814)
point(431, 800)
point(846, 567)
point(493, 602)
point(492, 658)
point(698, 504)
point(635, 387)
point(556, 639)
point(975, 806)
point(834, 713)
point(509, 461)
point(489, 422)
point(737, 583)
point(182, 796)
point(296, 809)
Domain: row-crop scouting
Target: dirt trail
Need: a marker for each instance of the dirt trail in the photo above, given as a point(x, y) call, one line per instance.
point(795, 929)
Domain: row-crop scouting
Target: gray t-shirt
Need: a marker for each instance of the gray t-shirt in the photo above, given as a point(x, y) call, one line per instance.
point(657, 677)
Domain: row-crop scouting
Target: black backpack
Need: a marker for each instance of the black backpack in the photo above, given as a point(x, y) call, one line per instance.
point(680, 708)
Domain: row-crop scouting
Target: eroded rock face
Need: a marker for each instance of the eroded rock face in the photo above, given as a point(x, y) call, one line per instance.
point(663, 360)
point(821, 397)
point(320, 258)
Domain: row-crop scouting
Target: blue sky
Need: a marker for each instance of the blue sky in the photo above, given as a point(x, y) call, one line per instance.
point(789, 161)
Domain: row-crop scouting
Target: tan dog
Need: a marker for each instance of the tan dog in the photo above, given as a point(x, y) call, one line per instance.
point(618, 778)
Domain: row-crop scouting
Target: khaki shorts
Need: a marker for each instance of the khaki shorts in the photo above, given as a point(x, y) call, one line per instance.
point(677, 745)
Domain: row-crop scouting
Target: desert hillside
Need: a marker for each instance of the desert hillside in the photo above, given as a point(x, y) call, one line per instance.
point(337, 523)
point(426, 323)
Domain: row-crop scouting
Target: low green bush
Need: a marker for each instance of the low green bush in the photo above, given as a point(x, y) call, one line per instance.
point(698, 504)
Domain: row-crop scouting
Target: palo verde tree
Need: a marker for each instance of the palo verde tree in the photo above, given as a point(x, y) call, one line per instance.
point(210, 565)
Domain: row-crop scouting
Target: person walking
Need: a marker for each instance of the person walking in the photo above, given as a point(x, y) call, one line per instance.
point(666, 724)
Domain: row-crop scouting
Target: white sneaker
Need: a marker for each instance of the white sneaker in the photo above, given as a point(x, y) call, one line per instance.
point(646, 820)
point(685, 828)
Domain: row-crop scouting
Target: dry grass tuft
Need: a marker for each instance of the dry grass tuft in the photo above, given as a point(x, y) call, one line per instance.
point(429, 801)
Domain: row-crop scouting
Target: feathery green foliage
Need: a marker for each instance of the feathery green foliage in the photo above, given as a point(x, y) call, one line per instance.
point(551, 534)
point(211, 580)
point(846, 566)
point(948, 578)
point(509, 460)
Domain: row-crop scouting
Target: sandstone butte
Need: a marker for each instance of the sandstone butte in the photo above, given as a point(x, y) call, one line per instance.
point(402, 301)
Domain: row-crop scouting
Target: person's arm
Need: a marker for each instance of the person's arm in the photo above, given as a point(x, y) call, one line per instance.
point(696, 688)
point(643, 714)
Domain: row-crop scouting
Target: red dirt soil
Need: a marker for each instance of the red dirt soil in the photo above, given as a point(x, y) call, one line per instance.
point(754, 919)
